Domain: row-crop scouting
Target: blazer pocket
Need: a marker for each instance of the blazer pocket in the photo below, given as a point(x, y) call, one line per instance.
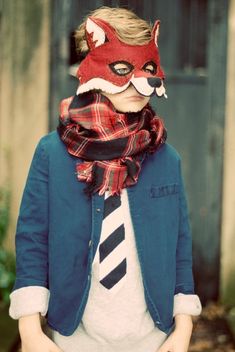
point(164, 190)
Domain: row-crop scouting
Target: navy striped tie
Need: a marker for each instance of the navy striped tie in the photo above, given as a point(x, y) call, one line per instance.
point(112, 256)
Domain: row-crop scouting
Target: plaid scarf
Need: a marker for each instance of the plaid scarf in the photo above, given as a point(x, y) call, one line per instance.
point(111, 144)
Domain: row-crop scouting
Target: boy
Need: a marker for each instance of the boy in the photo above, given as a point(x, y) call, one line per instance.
point(108, 246)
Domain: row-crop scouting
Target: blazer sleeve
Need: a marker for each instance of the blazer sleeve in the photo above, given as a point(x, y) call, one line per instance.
point(32, 225)
point(184, 275)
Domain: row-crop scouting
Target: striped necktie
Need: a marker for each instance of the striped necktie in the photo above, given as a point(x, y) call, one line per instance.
point(112, 251)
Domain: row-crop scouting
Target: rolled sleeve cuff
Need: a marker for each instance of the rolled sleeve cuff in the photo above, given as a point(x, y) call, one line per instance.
point(187, 304)
point(29, 300)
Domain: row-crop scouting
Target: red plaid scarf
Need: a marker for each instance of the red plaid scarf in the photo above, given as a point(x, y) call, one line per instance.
point(112, 144)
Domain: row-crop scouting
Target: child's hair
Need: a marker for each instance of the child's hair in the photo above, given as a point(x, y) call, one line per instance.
point(129, 27)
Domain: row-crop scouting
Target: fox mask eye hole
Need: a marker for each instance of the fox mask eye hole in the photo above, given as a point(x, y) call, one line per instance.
point(121, 68)
point(150, 67)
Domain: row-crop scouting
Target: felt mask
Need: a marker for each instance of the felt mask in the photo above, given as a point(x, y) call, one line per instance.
point(140, 64)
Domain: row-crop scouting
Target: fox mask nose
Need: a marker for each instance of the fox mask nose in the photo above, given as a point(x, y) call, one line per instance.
point(154, 82)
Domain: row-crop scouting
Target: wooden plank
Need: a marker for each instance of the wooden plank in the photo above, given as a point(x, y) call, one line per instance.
point(207, 263)
point(24, 80)
point(227, 282)
point(59, 82)
point(169, 12)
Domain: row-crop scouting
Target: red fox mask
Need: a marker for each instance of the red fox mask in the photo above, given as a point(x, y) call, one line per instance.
point(140, 64)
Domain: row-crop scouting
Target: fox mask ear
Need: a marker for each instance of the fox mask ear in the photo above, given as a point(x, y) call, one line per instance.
point(155, 32)
point(98, 32)
point(95, 35)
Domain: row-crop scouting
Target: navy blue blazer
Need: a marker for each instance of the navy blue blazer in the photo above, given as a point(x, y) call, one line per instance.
point(59, 227)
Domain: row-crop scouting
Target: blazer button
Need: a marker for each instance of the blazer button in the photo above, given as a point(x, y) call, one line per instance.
point(98, 210)
point(90, 243)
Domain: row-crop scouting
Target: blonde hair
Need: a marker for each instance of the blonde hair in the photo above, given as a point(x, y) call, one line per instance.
point(129, 27)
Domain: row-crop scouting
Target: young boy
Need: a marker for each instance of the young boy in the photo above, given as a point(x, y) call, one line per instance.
point(103, 242)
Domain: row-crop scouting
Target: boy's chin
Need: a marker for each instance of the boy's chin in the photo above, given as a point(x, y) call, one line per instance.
point(131, 109)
